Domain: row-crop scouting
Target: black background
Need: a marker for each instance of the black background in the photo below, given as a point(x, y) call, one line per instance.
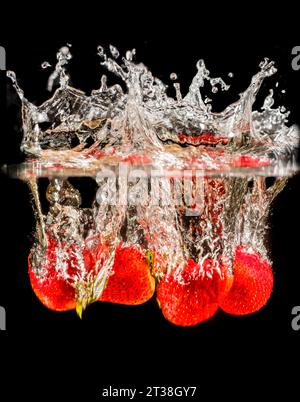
point(56, 354)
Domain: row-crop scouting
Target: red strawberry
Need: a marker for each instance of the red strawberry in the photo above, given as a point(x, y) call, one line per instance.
point(252, 283)
point(194, 296)
point(58, 274)
point(53, 287)
point(130, 281)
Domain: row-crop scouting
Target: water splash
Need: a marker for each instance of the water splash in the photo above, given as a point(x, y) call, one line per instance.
point(193, 183)
point(144, 119)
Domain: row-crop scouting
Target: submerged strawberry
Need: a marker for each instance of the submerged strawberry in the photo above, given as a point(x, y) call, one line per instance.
point(252, 284)
point(52, 277)
point(130, 282)
point(61, 275)
point(193, 296)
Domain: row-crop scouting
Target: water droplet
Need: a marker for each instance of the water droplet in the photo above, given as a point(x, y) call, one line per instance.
point(100, 51)
point(45, 65)
point(65, 51)
point(114, 51)
point(11, 75)
point(200, 64)
point(230, 75)
point(173, 76)
point(130, 54)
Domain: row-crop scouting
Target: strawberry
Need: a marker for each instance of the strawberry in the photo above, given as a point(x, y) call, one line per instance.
point(193, 295)
point(252, 283)
point(51, 281)
point(58, 274)
point(130, 281)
